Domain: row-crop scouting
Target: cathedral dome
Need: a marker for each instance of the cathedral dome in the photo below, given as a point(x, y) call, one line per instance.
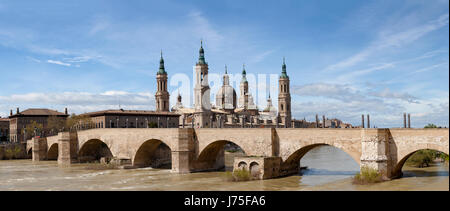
point(226, 97)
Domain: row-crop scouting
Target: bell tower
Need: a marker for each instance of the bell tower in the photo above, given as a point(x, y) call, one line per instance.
point(162, 94)
point(284, 98)
point(202, 92)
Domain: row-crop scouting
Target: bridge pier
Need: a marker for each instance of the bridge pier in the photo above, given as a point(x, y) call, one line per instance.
point(39, 151)
point(375, 152)
point(67, 148)
point(184, 155)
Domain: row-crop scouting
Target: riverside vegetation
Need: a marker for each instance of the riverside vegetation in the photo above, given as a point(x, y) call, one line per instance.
point(367, 176)
point(239, 175)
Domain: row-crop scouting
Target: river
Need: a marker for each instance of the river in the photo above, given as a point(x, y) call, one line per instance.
point(328, 169)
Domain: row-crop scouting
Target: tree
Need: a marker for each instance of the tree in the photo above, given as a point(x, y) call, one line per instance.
point(55, 124)
point(430, 126)
point(29, 129)
point(152, 125)
point(79, 121)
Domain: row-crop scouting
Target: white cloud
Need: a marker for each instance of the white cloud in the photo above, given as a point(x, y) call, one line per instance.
point(387, 93)
point(385, 107)
point(58, 63)
point(79, 102)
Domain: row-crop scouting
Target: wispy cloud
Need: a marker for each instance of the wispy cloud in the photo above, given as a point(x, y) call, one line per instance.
point(430, 67)
point(33, 59)
point(388, 39)
point(58, 63)
point(387, 93)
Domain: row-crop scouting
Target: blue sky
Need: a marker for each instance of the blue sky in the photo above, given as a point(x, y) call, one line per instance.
point(344, 58)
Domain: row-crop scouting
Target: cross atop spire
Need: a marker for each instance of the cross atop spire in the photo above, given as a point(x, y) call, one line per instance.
point(226, 71)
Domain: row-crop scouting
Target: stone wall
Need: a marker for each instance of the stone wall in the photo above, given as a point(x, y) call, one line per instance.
point(259, 167)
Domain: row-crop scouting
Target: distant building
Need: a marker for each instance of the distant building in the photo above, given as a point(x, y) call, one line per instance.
point(20, 120)
point(133, 119)
point(4, 129)
point(302, 124)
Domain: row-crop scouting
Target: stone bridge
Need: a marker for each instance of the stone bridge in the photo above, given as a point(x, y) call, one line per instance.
point(275, 152)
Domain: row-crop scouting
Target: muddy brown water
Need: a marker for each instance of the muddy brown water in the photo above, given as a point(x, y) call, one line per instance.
point(328, 169)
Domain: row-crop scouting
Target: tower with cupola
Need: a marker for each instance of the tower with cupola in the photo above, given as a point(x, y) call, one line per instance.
point(202, 92)
point(284, 98)
point(162, 94)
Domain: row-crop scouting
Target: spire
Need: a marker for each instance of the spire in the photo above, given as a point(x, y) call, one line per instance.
point(161, 66)
point(179, 96)
point(283, 70)
point(244, 74)
point(201, 58)
point(226, 79)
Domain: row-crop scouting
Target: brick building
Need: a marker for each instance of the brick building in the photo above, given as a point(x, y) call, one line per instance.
point(19, 121)
point(133, 119)
point(4, 129)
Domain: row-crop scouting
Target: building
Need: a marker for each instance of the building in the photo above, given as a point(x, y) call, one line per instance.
point(231, 110)
point(4, 129)
point(20, 120)
point(133, 119)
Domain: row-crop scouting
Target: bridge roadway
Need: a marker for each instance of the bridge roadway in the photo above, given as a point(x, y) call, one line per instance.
point(191, 150)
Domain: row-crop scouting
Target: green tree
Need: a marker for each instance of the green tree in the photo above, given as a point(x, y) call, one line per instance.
point(430, 126)
point(29, 129)
point(55, 124)
point(79, 121)
point(152, 125)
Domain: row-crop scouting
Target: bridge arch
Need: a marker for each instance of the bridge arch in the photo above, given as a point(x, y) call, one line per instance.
point(154, 153)
point(291, 164)
point(93, 150)
point(212, 157)
point(52, 153)
point(254, 169)
point(397, 170)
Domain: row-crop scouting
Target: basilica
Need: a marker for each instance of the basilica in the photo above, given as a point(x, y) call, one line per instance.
point(229, 110)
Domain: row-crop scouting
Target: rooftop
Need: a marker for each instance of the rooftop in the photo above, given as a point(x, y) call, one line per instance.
point(130, 112)
point(39, 112)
